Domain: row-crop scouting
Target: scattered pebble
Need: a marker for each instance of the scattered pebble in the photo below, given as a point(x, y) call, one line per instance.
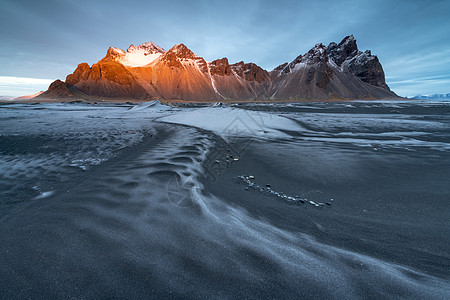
point(268, 189)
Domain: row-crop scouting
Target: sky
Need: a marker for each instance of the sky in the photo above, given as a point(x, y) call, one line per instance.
point(45, 40)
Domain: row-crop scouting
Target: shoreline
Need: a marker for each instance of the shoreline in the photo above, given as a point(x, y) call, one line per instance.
point(177, 101)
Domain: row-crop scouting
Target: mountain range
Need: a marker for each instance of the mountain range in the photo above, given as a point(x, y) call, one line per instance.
point(433, 97)
point(148, 72)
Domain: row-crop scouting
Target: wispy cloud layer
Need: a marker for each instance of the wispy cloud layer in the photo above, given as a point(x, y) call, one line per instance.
point(21, 86)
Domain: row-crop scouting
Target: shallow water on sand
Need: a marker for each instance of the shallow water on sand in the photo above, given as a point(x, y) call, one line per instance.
point(113, 201)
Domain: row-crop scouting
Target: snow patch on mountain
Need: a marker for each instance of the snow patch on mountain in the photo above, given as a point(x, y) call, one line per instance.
point(139, 56)
point(148, 47)
point(212, 81)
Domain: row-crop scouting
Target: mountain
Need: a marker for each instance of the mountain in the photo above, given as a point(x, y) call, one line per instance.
point(337, 71)
point(29, 96)
point(433, 97)
point(7, 98)
point(147, 72)
point(57, 90)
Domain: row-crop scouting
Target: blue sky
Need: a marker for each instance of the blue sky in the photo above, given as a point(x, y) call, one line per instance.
point(47, 39)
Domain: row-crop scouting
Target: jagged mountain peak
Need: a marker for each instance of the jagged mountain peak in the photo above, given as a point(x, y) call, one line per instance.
point(147, 48)
point(319, 47)
point(115, 50)
point(180, 56)
point(346, 49)
point(250, 72)
point(113, 54)
point(220, 67)
point(364, 65)
point(315, 55)
point(348, 39)
point(181, 51)
point(135, 56)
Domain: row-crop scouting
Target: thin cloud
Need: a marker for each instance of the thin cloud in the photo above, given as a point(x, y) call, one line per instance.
point(20, 86)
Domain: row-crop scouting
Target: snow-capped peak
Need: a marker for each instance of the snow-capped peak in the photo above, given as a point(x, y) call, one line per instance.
point(181, 51)
point(316, 55)
point(116, 51)
point(139, 56)
point(345, 50)
point(148, 48)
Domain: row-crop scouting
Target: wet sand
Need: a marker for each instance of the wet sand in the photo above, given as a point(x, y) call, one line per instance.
point(114, 202)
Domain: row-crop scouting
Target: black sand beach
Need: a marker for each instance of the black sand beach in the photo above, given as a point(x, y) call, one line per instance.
point(118, 201)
